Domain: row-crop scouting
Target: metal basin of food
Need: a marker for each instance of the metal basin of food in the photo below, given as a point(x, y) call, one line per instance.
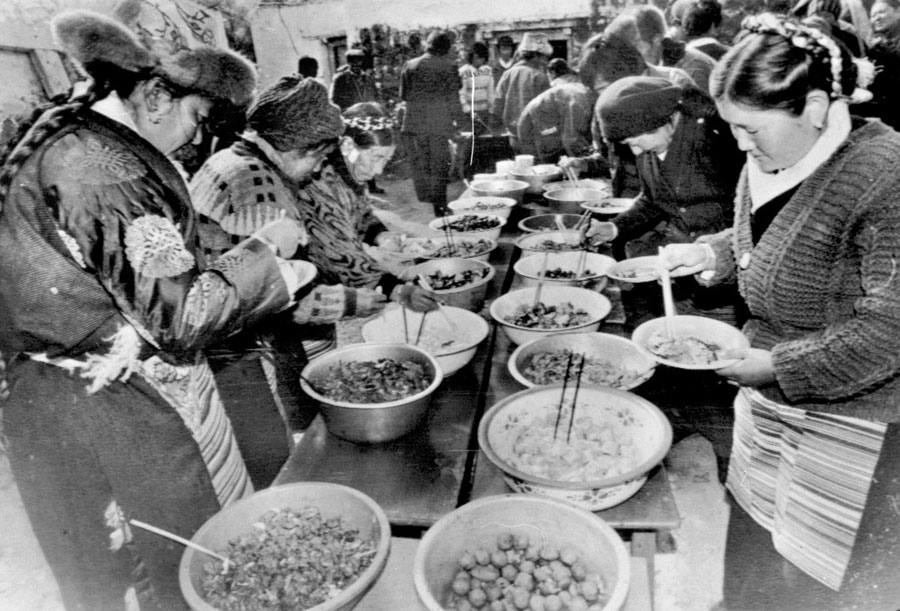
point(568, 201)
point(500, 188)
point(537, 176)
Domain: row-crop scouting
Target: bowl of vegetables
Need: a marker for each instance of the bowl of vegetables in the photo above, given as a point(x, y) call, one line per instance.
point(499, 188)
point(525, 551)
point(443, 247)
point(462, 283)
point(469, 225)
point(609, 361)
point(274, 541)
point(569, 200)
point(451, 335)
point(537, 176)
point(549, 222)
point(597, 459)
point(551, 241)
point(570, 268)
point(371, 393)
point(695, 342)
point(501, 206)
point(557, 310)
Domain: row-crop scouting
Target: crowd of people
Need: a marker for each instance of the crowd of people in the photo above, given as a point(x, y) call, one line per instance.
point(154, 323)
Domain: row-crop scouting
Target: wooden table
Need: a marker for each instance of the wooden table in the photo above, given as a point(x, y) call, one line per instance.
point(425, 475)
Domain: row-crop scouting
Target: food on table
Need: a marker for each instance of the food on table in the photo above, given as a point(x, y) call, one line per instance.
point(489, 205)
point(637, 272)
point(593, 451)
point(559, 273)
point(687, 350)
point(518, 573)
point(439, 281)
point(542, 170)
point(460, 248)
point(545, 316)
point(403, 244)
point(377, 381)
point(290, 560)
point(437, 337)
point(471, 222)
point(550, 368)
point(553, 245)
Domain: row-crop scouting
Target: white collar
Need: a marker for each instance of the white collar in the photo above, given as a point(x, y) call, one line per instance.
point(766, 186)
point(112, 107)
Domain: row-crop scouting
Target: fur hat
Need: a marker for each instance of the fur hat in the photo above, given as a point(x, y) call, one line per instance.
point(295, 114)
point(532, 41)
point(636, 105)
point(98, 42)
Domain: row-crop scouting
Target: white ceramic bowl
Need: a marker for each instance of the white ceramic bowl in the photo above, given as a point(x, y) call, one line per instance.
point(371, 422)
point(628, 367)
point(529, 268)
point(708, 330)
point(537, 176)
point(469, 297)
point(499, 206)
point(631, 421)
point(448, 223)
point(355, 509)
point(595, 304)
point(479, 523)
point(499, 188)
point(453, 347)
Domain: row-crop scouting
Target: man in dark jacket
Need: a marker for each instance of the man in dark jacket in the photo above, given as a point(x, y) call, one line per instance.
point(429, 85)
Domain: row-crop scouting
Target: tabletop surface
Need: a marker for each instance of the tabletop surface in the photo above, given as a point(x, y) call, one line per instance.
point(423, 476)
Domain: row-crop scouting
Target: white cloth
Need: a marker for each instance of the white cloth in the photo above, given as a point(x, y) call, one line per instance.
point(766, 186)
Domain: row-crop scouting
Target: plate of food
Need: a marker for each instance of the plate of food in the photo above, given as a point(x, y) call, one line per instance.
point(695, 342)
point(610, 205)
point(637, 269)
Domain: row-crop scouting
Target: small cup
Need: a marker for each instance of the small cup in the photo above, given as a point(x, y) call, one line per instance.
point(523, 162)
point(506, 167)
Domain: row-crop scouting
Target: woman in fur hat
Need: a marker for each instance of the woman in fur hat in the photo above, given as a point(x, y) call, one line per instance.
point(113, 412)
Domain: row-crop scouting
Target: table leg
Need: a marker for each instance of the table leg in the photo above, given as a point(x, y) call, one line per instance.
point(643, 545)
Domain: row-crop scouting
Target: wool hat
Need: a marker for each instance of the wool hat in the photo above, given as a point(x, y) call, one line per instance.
point(98, 43)
point(532, 41)
point(636, 105)
point(294, 114)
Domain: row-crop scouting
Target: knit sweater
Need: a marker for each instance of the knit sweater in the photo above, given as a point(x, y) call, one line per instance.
point(822, 284)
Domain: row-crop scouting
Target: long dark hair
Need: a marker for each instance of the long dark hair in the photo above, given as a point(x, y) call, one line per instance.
point(777, 61)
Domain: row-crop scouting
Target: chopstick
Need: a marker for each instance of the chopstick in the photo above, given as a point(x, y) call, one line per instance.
point(165, 533)
point(405, 326)
point(570, 173)
point(419, 332)
point(668, 300)
point(562, 397)
point(575, 398)
point(540, 286)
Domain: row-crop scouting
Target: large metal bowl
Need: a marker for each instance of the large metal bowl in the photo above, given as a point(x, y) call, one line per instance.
point(601, 184)
point(568, 201)
point(469, 297)
point(549, 222)
point(444, 225)
point(478, 525)
point(537, 176)
point(501, 206)
point(371, 422)
point(355, 510)
point(451, 335)
point(593, 267)
point(628, 367)
point(500, 188)
point(637, 433)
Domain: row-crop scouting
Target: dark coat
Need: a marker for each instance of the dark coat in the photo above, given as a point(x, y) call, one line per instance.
point(430, 84)
point(348, 88)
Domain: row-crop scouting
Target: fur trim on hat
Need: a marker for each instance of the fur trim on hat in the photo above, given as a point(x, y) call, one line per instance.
point(211, 72)
point(91, 38)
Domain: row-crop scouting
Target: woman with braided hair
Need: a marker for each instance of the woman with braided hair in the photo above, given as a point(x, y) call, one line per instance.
point(814, 475)
point(113, 413)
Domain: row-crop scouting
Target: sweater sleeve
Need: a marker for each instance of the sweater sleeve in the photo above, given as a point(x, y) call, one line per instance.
point(863, 351)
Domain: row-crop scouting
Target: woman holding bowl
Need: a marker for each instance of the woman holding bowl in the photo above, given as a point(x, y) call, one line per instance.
point(814, 472)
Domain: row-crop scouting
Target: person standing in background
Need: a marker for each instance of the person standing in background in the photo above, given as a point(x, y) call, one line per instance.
point(353, 84)
point(477, 93)
point(700, 24)
point(558, 121)
point(429, 85)
point(506, 52)
point(523, 82)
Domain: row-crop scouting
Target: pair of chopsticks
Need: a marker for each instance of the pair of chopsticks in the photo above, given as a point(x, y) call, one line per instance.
point(570, 174)
point(406, 328)
point(562, 397)
point(186, 542)
point(668, 300)
point(540, 286)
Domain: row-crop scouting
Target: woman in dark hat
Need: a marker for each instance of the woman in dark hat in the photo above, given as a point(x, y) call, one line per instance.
point(113, 413)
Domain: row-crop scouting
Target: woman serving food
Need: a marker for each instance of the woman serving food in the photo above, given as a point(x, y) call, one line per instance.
point(814, 469)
